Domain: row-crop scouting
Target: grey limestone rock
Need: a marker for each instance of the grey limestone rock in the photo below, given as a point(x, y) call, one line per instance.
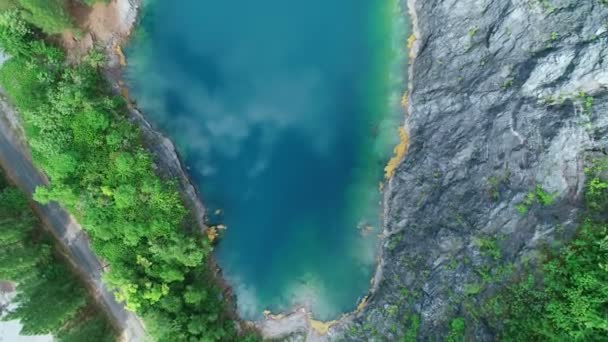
point(499, 105)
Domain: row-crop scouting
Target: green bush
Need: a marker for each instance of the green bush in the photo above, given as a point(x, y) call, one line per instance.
point(457, 330)
point(539, 195)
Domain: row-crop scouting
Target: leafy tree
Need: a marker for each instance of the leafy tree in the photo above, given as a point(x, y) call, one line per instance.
point(49, 298)
point(50, 15)
point(14, 33)
point(47, 302)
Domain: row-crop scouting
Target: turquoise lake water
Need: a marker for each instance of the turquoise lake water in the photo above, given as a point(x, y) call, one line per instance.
point(285, 113)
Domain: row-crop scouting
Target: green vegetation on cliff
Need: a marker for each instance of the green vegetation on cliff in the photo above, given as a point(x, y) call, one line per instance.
point(561, 297)
point(50, 300)
point(81, 138)
point(567, 297)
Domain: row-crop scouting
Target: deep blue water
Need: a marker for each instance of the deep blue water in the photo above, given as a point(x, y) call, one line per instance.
point(285, 114)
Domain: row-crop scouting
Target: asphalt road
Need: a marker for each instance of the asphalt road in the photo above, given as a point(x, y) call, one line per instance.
point(15, 160)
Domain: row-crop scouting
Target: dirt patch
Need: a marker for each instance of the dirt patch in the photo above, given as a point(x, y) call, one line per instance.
point(101, 24)
point(102, 21)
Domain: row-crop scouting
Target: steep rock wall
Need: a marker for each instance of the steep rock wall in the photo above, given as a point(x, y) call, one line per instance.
point(499, 105)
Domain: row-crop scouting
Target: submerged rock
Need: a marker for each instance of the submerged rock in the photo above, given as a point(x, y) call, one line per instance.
point(507, 98)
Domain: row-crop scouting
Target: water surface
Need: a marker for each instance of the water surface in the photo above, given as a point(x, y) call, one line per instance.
point(285, 115)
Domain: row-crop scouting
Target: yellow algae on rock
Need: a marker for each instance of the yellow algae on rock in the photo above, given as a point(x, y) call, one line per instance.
point(404, 101)
point(321, 327)
point(362, 304)
point(410, 41)
point(121, 56)
point(410, 44)
point(212, 233)
point(400, 151)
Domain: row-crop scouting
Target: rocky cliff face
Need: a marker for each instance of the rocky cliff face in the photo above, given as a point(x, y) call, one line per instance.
point(507, 98)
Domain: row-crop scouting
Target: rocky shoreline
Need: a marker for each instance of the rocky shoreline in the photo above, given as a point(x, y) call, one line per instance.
point(496, 110)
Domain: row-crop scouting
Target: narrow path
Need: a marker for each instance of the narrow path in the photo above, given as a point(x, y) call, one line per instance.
point(16, 161)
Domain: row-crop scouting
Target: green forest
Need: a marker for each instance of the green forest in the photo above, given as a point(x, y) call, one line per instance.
point(50, 299)
point(81, 138)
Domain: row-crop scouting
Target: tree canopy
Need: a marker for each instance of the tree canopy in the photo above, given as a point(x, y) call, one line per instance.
point(50, 299)
point(100, 171)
